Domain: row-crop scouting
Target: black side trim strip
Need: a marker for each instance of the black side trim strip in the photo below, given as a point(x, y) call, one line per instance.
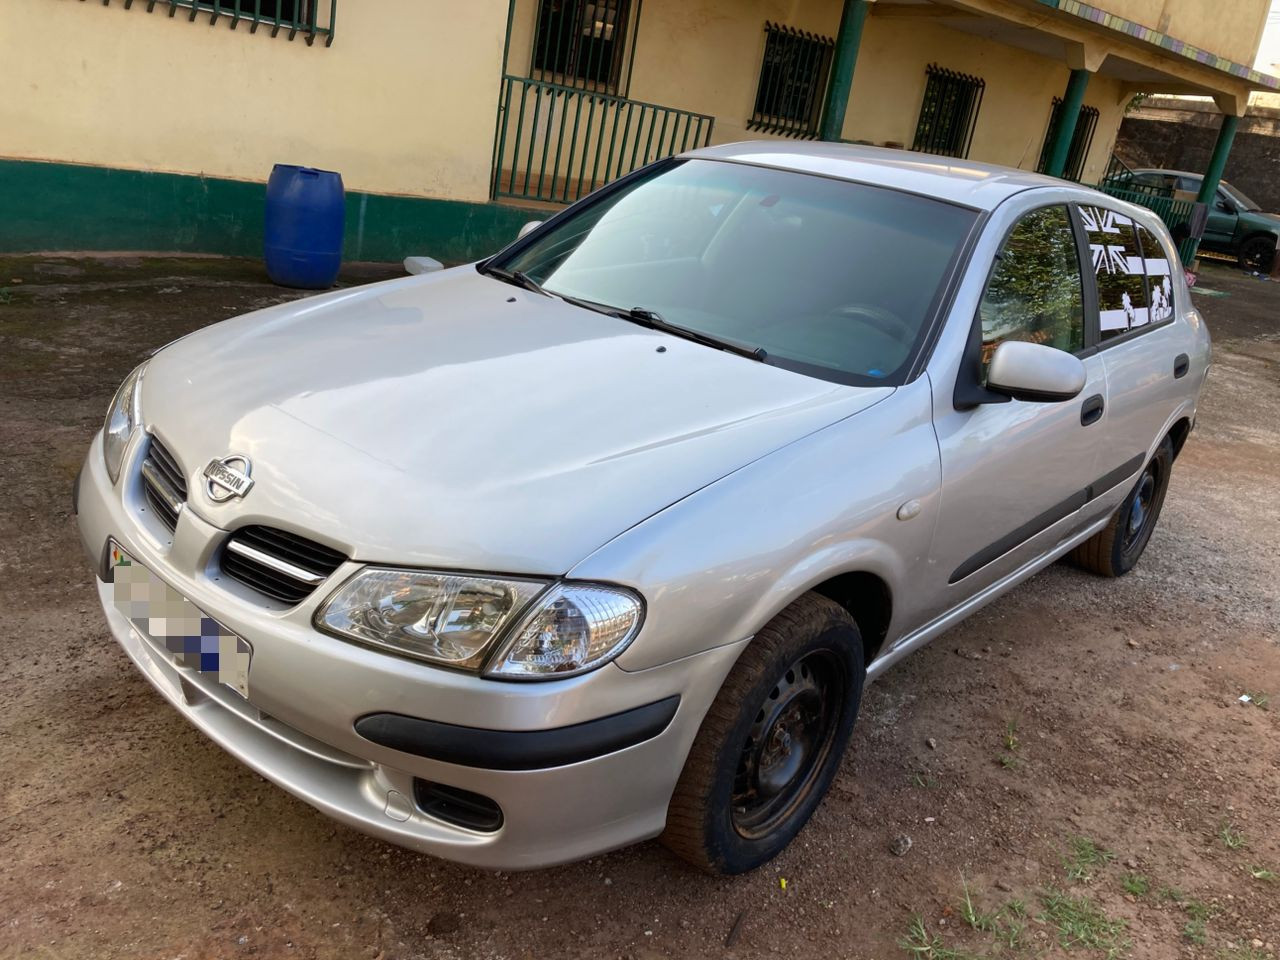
point(1023, 533)
point(1046, 520)
point(518, 749)
point(1122, 472)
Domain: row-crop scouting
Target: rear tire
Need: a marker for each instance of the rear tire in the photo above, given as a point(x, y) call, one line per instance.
point(1114, 550)
point(772, 741)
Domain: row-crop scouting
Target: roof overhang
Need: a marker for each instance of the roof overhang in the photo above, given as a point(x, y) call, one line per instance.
point(1080, 35)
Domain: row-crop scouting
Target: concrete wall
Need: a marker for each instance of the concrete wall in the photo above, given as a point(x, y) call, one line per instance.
point(1181, 135)
point(401, 103)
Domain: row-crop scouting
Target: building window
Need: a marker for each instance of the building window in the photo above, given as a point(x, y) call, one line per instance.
point(580, 43)
point(793, 79)
point(308, 19)
point(1081, 140)
point(949, 112)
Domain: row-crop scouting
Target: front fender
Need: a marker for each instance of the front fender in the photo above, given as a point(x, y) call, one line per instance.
point(719, 564)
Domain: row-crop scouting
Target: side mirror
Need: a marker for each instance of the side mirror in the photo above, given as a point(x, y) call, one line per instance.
point(1032, 371)
point(528, 228)
point(1226, 206)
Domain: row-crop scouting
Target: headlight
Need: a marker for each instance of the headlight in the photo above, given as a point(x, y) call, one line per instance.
point(455, 619)
point(123, 417)
point(574, 628)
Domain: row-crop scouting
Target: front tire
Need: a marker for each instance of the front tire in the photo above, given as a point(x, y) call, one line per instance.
point(1114, 550)
point(772, 741)
point(1257, 253)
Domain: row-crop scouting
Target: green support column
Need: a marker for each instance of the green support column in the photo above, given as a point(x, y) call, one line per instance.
point(1217, 163)
point(1068, 114)
point(846, 56)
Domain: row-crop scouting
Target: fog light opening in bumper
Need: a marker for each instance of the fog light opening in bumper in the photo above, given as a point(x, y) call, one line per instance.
point(462, 808)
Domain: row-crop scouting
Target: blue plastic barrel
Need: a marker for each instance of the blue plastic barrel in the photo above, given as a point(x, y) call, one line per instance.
point(306, 213)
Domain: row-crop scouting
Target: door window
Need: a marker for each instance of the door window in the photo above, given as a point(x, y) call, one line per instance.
point(1034, 292)
point(1118, 267)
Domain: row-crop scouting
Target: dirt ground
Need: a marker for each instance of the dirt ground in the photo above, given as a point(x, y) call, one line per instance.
point(1073, 766)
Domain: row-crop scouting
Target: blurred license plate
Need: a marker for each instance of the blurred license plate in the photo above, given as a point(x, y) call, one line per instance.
point(193, 640)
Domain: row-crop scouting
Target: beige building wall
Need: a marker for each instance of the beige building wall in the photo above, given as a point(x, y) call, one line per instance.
point(403, 102)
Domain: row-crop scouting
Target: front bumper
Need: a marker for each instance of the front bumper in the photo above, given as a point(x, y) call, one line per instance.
point(307, 692)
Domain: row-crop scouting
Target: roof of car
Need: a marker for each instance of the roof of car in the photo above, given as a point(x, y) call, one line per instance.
point(980, 185)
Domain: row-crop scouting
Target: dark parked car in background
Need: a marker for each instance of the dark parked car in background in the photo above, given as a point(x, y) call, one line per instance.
point(1236, 225)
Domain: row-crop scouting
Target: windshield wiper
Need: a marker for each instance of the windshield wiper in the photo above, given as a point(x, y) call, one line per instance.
point(514, 277)
point(655, 321)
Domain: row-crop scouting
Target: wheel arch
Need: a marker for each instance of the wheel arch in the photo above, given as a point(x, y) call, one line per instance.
point(1178, 434)
point(868, 598)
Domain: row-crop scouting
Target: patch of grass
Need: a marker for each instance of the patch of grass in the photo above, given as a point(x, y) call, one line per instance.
point(920, 943)
point(1136, 884)
point(1198, 915)
point(986, 922)
point(1009, 761)
point(1242, 953)
point(1086, 856)
point(1011, 742)
point(924, 781)
point(1259, 700)
point(1231, 838)
point(1080, 922)
point(1262, 873)
point(1016, 908)
point(1170, 893)
point(6, 295)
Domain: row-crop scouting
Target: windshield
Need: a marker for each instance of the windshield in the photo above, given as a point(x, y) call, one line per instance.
point(826, 277)
point(1243, 202)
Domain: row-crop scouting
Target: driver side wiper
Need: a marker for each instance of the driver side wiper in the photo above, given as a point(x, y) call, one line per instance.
point(655, 321)
point(514, 277)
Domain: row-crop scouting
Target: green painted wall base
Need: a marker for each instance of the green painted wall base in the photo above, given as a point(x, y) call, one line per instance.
point(63, 206)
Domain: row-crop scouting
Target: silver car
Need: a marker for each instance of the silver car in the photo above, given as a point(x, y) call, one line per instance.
point(600, 539)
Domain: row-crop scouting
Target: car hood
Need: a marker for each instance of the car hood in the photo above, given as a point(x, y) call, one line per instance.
point(455, 421)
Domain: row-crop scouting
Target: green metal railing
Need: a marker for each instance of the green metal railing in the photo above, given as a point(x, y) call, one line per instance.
point(303, 17)
point(556, 144)
point(1172, 211)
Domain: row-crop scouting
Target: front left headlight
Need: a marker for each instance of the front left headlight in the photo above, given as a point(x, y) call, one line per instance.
point(123, 417)
point(455, 620)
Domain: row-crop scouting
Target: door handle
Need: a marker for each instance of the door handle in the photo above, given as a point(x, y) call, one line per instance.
point(1091, 412)
point(1181, 364)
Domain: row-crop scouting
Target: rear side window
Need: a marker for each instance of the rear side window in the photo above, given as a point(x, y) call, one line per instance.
point(1035, 289)
point(1119, 269)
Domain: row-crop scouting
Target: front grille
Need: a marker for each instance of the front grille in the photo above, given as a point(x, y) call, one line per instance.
point(163, 483)
point(282, 565)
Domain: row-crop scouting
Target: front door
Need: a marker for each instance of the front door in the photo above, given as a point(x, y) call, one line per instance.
point(1015, 474)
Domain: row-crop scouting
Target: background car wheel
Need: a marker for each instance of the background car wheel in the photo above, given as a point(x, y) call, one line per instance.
point(1114, 550)
point(771, 742)
point(1257, 253)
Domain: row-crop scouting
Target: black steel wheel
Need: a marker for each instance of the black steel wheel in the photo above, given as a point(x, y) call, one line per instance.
point(771, 741)
point(792, 734)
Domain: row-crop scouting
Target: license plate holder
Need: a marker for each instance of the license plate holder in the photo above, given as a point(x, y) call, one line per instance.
point(192, 639)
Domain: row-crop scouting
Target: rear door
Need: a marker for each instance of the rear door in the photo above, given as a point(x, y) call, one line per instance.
point(1144, 351)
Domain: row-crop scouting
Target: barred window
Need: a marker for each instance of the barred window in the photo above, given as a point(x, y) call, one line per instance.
point(949, 112)
point(793, 79)
point(580, 43)
point(306, 18)
point(1081, 140)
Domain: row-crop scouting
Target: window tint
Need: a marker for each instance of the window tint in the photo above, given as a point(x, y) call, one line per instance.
point(1118, 266)
point(1035, 290)
point(1159, 277)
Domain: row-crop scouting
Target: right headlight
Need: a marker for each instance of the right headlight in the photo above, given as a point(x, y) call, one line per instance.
point(456, 620)
point(124, 416)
